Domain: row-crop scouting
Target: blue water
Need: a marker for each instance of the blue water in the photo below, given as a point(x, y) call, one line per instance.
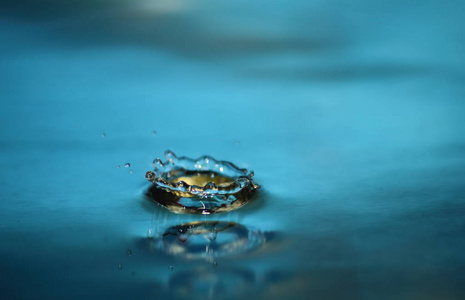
point(351, 115)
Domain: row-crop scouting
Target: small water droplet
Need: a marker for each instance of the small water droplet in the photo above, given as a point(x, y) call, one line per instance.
point(103, 134)
point(131, 171)
point(118, 166)
point(154, 132)
point(120, 266)
point(127, 165)
point(129, 252)
point(171, 268)
point(215, 264)
point(237, 143)
point(150, 233)
point(150, 175)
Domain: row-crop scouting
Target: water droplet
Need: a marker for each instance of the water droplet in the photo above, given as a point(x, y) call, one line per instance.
point(171, 268)
point(118, 166)
point(131, 171)
point(150, 233)
point(120, 266)
point(170, 155)
point(127, 165)
point(237, 143)
point(154, 132)
point(103, 134)
point(150, 175)
point(215, 264)
point(183, 185)
point(209, 186)
point(157, 163)
point(129, 252)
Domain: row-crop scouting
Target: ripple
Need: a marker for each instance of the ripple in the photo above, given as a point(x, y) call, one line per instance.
point(209, 239)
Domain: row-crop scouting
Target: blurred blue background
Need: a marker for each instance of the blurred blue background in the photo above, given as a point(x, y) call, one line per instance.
point(351, 114)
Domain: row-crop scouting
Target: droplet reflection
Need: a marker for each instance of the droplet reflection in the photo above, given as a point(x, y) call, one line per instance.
point(209, 240)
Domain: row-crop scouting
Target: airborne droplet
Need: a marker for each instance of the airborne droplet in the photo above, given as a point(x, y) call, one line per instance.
point(127, 165)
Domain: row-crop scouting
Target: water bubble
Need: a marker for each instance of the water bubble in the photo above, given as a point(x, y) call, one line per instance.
point(154, 132)
point(150, 233)
point(129, 252)
point(131, 171)
point(118, 166)
point(127, 165)
point(103, 134)
point(120, 266)
point(171, 268)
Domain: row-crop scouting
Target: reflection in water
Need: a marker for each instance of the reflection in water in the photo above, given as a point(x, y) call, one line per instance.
point(354, 125)
point(243, 282)
point(209, 240)
point(208, 283)
point(337, 283)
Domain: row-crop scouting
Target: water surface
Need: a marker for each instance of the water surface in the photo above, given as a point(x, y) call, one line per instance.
point(350, 114)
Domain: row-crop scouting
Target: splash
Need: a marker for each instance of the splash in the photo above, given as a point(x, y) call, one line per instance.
point(199, 186)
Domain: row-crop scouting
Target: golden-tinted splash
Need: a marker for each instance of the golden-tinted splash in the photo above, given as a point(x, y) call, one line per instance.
point(204, 185)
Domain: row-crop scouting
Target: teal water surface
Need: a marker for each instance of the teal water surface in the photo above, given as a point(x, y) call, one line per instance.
point(350, 114)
